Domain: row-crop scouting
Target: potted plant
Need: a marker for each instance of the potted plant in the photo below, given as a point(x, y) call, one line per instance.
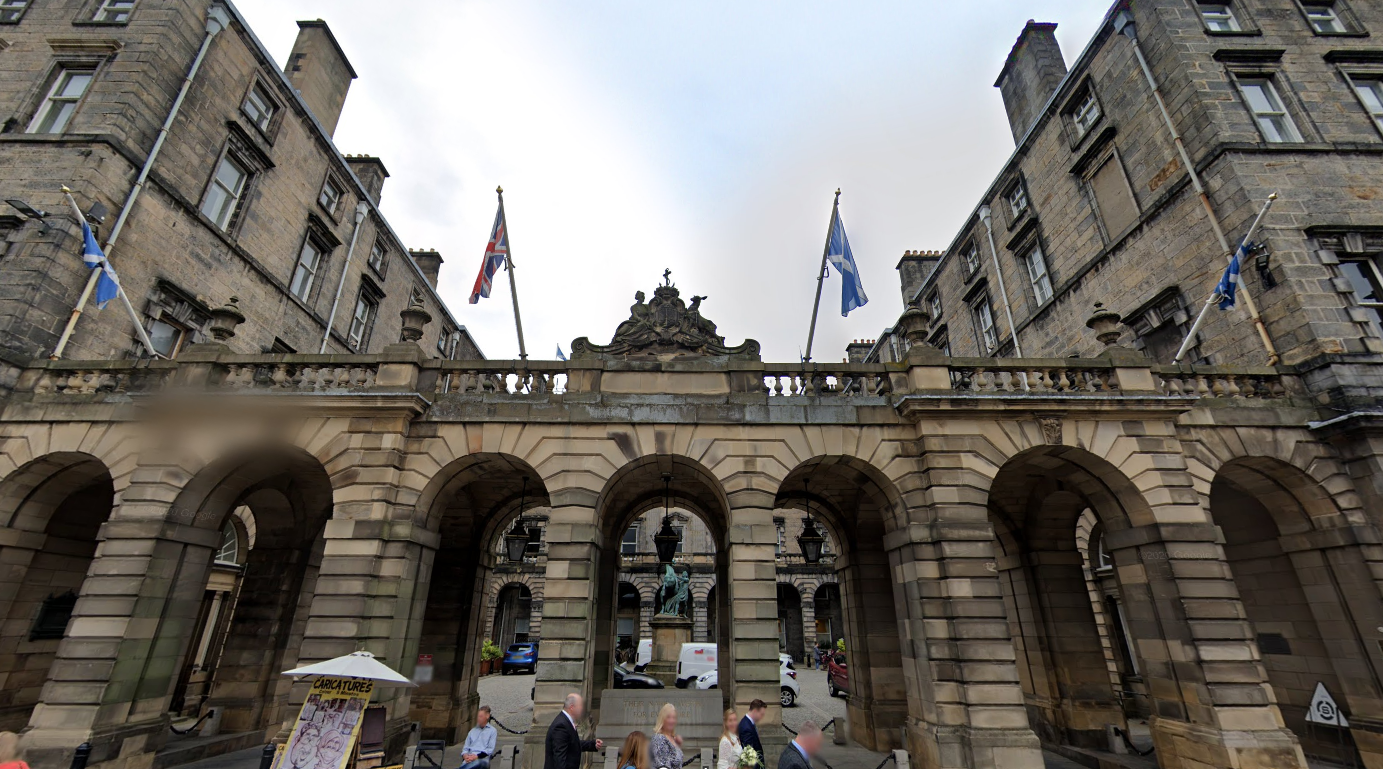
point(490, 655)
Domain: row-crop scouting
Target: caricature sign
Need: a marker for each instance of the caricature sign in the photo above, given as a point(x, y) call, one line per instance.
point(328, 724)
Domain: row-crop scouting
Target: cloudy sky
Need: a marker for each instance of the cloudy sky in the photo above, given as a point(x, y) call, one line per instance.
point(705, 137)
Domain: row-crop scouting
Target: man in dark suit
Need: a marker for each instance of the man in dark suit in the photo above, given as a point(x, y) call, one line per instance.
point(564, 745)
point(803, 748)
point(749, 728)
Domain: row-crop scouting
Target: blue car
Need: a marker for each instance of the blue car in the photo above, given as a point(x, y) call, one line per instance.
point(518, 657)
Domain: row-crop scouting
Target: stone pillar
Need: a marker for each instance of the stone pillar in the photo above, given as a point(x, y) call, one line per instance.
point(115, 670)
point(370, 594)
point(1336, 569)
point(965, 707)
point(569, 661)
point(1211, 700)
point(753, 586)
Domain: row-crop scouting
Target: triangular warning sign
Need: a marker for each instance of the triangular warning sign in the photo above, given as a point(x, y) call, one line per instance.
point(1324, 710)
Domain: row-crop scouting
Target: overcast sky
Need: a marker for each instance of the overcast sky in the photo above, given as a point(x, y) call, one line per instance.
point(705, 137)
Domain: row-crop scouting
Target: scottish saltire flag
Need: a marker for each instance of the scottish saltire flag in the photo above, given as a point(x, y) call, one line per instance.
point(495, 253)
point(108, 286)
point(561, 355)
point(1229, 282)
point(852, 289)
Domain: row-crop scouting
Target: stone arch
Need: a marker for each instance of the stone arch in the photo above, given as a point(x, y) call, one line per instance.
point(1321, 483)
point(1036, 503)
point(860, 507)
point(1307, 589)
point(632, 490)
point(466, 505)
point(51, 511)
point(287, 496)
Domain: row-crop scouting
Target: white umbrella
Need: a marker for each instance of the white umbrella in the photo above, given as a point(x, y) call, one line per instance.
point(353, 665)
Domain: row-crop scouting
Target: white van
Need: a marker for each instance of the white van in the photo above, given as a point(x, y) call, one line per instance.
point(644, 656)
point(694, 660)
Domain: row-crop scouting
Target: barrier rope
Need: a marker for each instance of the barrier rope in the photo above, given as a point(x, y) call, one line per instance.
point(194, 725)
point(1128, 743)
point(828, 725)
point(883, 763)
point(496, 722)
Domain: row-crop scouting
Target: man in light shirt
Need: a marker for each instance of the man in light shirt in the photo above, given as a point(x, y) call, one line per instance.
point(480, 742)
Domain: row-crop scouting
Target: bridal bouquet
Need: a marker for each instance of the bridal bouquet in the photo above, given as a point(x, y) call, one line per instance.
point(749, 757)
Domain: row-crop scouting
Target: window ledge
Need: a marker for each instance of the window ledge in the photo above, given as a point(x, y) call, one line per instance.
point(95, 23)
point(1351, 33)
point(1234, 33)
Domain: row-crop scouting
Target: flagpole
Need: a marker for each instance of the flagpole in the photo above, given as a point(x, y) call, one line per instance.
point(509, 265)
point(821, 276)
point(1248, 300)
point(91, 285)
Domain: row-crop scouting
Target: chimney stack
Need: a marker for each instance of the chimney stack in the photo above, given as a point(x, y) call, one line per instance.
point(858, 350)
point(371, 173)
point(914, 269)
point(429, 261)
point(1030, 76)
point(320, 72)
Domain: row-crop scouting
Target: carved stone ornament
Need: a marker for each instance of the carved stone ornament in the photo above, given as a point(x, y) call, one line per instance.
point(1051, 430)
point(665, 328)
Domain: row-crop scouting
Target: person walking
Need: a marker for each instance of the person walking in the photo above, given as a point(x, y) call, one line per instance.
point(803, 748)
point(480, 742)
point(749, 728)
point(634, 754)
point(729, 756)
point(563, 747)
point(666, 747)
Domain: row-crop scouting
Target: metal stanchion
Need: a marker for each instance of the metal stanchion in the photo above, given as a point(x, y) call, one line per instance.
point(80, 755)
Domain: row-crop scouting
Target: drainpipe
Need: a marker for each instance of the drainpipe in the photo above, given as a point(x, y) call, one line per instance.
point(218, 18)
point(360, 212)
point(987, 214)
point(1124, 25)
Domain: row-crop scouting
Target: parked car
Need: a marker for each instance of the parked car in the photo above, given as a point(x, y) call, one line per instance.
point(628, 679)
point(788, 687)
point(837, 675)
point(694, 660)
point(521, 656)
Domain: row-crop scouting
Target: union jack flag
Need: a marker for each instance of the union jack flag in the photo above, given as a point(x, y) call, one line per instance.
point(495, 253)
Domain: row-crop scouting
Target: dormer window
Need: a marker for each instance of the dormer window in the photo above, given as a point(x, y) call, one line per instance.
point(1324, 18)
point(11, 11)
point(1086, 114)
point(971, 255)
point(1219, 17)
point(114, 11)
point(259, 107)
point(330, 196)
point(1018, 200)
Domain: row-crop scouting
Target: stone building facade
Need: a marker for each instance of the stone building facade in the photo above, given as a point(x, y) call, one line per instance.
point(1095, 204)
point(244, 195)
point(1029, 552)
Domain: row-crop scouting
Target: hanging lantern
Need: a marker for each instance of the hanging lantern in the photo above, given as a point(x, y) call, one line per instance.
point(516, 541)
point(811, 540)
point(665, 541)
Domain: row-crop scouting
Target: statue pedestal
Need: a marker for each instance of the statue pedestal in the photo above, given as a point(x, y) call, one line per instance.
point(669, 633)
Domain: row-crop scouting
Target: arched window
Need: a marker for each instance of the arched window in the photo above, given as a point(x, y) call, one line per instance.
point(230, 545)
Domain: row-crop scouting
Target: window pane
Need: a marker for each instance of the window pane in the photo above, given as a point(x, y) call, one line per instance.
point(1258, 97)
point(1361, 280)
point(166, 337)
point(305, 271)
point(56, 110)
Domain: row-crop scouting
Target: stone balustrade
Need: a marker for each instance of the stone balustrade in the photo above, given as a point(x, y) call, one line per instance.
point(957, 377)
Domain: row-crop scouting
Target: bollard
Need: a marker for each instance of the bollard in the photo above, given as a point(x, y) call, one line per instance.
point(80, 755)
point(900, 757)
point(611, 757)
point(266, 756)
point(840, 733)
point(707, 760)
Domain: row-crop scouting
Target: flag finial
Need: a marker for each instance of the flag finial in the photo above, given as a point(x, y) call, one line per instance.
point(66, 189)
point(499, 190)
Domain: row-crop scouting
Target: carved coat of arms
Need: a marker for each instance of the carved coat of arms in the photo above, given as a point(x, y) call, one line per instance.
point(665, 327)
